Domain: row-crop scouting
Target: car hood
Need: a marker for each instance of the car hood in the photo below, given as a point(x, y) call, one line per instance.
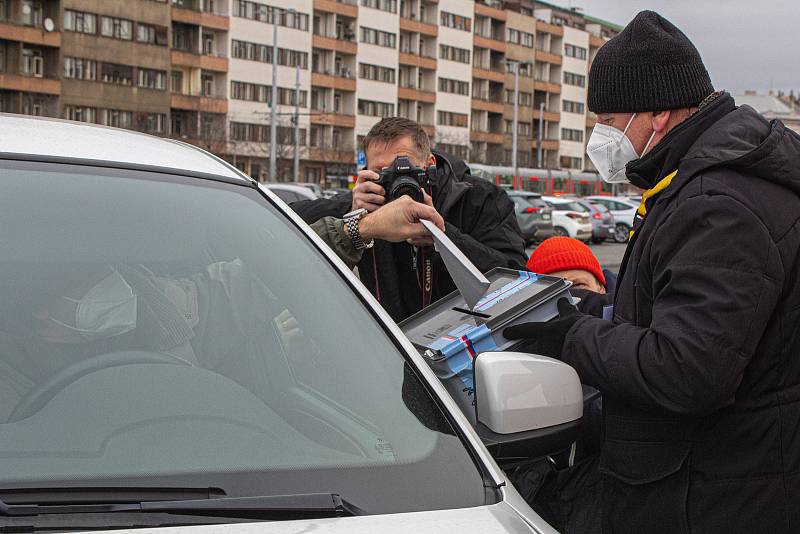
point(500, 518)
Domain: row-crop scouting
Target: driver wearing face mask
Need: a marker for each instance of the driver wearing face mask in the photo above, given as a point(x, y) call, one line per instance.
point(699, 364)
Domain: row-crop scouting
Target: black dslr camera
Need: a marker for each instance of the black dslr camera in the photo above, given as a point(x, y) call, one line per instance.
point(402, 178)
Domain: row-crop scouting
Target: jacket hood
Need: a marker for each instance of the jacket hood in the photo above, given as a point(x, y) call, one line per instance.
point(747, 142)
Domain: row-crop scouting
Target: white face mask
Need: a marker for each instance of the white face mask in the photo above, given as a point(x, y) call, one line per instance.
point(108, 309)
point(610, 150)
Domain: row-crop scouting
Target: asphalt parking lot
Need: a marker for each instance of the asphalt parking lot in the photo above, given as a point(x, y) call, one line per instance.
point(608, 254)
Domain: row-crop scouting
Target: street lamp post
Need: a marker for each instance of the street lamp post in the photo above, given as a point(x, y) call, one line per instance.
point(539, 135)
point(297, 124)
point(273, 128)
point(516, 66)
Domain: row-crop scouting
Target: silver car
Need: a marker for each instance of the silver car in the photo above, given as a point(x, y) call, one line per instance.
point(179, 348)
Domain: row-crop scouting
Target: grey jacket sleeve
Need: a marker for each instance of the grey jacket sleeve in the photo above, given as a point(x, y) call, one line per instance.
point(331, 230)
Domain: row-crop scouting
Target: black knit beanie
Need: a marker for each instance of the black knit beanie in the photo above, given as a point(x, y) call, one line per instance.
point(649, 66)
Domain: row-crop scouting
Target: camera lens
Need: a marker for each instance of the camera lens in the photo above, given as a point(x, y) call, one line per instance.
point(406, 186)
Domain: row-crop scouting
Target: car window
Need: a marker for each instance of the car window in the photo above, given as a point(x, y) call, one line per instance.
point(621, 206)
point(173, 331)
point(568, 206)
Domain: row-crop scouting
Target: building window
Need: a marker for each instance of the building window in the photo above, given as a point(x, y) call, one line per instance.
point(32, 13)
point(147, 33)
point(452, 53)
point(383, 5)
point(572, 107)
point(207, 84)
point(78, 21)
point(264, 13)
point(523, 128)
point(568, 134)
point(116, 118)
point(378, 37)
point(525, 99)
point(520, 38)
point(458, 87)
point(176, 81)
point(80, 69)
point(451, 20)
point(375, 109)
point(448, 118)
point(32, 62)
point(152, 79)
point(376, 73)
point(569, 162)
point(80, 113)
point(116, 28)
point(459, 151)
point(263, 53)
point(571, 78)
point(118, 74)
point(153, 123)
point(574, 51)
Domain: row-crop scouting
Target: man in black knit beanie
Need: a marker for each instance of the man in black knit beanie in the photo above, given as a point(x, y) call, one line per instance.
point(700, 365)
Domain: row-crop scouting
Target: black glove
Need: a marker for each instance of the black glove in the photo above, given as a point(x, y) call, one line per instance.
point(592, 302)
point(547, 338)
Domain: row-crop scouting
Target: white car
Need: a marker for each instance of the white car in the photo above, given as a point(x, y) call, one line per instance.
point(290, 192)
point(570, 219)
point(181, 351)
point(623, 209)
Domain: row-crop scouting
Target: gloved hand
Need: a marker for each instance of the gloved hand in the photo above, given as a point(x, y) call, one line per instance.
point(547, 338)
point(592, 302)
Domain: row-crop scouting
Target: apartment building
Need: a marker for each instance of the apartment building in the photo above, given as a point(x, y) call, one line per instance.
point(201, 71)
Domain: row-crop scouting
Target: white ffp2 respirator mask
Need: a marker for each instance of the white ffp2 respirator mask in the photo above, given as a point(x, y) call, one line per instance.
point(610, 150)
point(108, 309)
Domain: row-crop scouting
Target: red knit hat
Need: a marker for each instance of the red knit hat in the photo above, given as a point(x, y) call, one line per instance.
point(564, 253)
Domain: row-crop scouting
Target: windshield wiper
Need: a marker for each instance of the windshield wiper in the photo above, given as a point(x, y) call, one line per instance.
point(302, 505)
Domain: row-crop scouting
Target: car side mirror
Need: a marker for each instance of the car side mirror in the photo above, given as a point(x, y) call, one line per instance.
point(526, 405)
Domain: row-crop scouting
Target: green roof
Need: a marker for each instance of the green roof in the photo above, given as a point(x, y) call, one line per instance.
point(596, 20)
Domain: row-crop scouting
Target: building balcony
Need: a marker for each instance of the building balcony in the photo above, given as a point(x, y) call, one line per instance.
point(201, 18)
point(414, 60)
point(547, 144)
point(29, 34)
point(549, 87)
point(331, 43)
point(198, 103)
point(486, 74)
point(341, 83)
point(29, 84)
point(486, 137)
point(595, 41)
point(333, 119)
point(546, 27)
point(348, 9)
point(491, 12)
point(418, 95)
point(492, 44)
point(548, 57)
point(190, 59)
point(552, 116)
point(415, 26)
point(331, 155)
point(487, 105)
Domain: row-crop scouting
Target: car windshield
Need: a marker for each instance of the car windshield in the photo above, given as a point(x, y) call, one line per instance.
point(171, 331)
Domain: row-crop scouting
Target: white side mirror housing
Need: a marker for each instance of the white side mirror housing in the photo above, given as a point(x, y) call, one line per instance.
point(517, 392)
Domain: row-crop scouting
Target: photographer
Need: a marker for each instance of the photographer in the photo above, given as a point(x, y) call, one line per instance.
point(479, 217)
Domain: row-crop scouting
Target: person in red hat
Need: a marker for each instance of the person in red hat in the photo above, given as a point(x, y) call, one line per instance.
point(568, 258)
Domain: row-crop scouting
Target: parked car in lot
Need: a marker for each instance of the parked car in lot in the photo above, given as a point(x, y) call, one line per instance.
point(291, 192)
point(170, 359)
point(534, 215)
point(623, 211)
point(570, 218)
point(603, 225)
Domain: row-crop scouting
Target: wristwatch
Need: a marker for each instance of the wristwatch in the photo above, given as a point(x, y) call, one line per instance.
point(351, 223)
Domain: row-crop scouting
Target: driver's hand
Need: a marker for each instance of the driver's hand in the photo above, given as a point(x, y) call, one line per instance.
point(367, 194)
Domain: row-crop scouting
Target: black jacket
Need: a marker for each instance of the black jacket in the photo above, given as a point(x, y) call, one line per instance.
point(700, 368)
point(479, 218)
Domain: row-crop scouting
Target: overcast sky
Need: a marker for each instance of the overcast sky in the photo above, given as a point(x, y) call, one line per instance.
point(745, 44)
